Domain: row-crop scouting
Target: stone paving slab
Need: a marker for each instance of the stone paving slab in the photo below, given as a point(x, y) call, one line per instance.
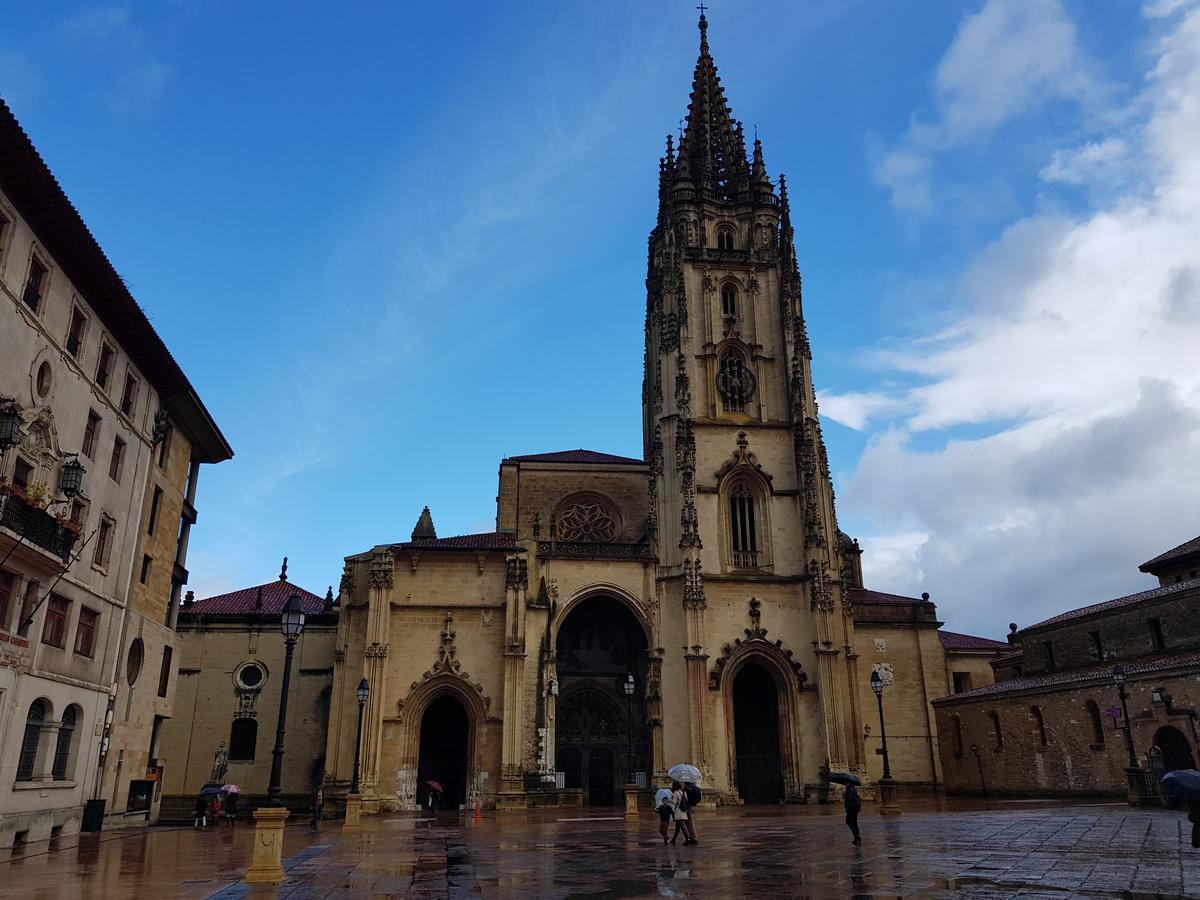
point(1052, 851)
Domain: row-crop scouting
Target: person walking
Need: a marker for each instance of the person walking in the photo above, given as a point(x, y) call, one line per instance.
point(200, 811)
point(680, 807)
point(662, 806)
point(694, 796)
point(853, 804)
point(318, 802)
point(231, 802)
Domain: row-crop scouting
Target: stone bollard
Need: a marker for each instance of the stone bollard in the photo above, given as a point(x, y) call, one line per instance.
point(266, 865)
point(631, 801)
point(353, 813)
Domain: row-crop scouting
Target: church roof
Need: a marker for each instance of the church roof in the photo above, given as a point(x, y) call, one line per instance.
point(952, 640)
point(1187, 548)
point(578, 456)
point(1167, 662)
point(487, 540)
point(246, 601)
point(1119, 603)
point(860, 595)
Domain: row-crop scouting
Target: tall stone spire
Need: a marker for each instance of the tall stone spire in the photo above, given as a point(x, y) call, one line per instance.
point(712, 151)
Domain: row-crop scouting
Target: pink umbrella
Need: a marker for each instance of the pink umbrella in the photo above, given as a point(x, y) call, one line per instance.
point(437, 786)
point(231, 789)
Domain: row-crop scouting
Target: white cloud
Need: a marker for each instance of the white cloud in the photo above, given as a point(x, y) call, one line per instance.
point(1080, 165)
point(855, 409)
point(1008, 59)
point(1074, 372)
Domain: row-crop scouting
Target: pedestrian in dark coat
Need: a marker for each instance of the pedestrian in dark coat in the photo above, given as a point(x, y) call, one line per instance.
point(853, 804)
point(201, 813)
point(1194, 816)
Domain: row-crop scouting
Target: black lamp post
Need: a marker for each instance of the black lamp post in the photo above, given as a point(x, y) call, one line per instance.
point(887, 787)
point(292, 624)
point(363, 692)
point(630, 686)
point(1119, 679)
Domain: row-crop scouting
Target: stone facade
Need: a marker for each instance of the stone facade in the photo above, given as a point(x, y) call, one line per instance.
point(710, 576)
point(92, 383)
point(1053, 723)
point(228, 696)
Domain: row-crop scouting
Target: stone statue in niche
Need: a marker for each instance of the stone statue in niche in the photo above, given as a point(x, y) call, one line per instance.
point(220, 764)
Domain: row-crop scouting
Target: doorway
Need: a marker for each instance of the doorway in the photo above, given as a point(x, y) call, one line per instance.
point(1176, 752)
point(756, 735)
point(443, 752)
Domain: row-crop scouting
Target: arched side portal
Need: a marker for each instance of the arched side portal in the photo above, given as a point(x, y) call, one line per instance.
point(1176, 752)
point(443, 756)
point(756, 736)
point(598, 644)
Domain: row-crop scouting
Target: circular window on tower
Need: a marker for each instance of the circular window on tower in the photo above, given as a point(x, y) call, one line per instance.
point(250, 676)
point(133, 663)
point(44, 380)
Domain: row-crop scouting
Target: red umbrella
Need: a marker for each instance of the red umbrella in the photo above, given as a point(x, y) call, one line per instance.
point(437, 786)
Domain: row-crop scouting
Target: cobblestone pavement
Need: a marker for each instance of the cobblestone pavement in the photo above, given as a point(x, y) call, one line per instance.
point(1012, 849)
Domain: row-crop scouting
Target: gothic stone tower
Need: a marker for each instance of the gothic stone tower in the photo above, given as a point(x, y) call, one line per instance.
point(742, 508)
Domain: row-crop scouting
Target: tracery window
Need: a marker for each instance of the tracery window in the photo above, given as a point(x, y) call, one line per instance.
point(587, 521)
point(728, 299)
point(735, 382)
point(725, 238)
point(743, 531)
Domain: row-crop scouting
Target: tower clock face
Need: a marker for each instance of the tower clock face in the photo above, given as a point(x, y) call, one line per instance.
point(735, 384)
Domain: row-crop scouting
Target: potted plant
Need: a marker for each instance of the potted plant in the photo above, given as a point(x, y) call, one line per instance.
point(37, 495)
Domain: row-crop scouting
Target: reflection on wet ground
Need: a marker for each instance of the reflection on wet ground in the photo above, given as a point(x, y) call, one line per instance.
point(936, 849)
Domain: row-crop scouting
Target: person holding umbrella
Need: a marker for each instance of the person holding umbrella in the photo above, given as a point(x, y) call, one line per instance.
point(688, 778)
point(232, 793)
point(852, 800)
point(665, 810)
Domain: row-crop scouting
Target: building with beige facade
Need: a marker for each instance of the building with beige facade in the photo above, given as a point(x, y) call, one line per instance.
point(102, 436)
point(710, 575)
point(227, 701)
point(1054, 723)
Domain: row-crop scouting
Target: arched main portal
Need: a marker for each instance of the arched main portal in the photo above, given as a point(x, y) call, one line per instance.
point(443, 753)
point(1176, 752)
point(756, 735)
point(598, 645)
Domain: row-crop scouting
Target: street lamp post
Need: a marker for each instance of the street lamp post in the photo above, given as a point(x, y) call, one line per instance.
point(630, 782)
point(887, 787)
point(1133, 772)
point(266, 866)
point(979, 762)
point(353, 799)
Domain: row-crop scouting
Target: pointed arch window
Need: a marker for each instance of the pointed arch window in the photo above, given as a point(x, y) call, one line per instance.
point(729, 300)
point(735, 382)
point(997, 734)
point(34, 721)
point(62, 749)
point(1097, 723)
point(725, 238)
point(1040, 722)
point(743, 526)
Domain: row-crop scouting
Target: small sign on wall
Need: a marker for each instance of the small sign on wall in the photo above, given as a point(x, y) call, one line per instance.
point(1113, 712)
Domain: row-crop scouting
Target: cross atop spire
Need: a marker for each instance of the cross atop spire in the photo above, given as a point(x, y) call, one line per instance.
point(703, 28)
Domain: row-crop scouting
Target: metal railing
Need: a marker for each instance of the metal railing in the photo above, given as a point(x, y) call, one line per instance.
point(37, 526)
point(746, 559)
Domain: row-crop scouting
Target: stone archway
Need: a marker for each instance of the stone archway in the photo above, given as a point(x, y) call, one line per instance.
point(1176, 751)
point(597, 644)
point(443, 753)
point(757, 758)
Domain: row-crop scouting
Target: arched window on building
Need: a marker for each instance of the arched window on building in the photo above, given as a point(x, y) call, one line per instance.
point(242, 739)
point(743, 529)
point(1097, 723)
point(735, 382)
point(1040, 722)
point(725, 238)
point(729, 298)
point(33, 736)
point(62, 749)
point(997, 734)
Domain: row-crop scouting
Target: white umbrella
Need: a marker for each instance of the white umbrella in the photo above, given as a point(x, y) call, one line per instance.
point(685, 772)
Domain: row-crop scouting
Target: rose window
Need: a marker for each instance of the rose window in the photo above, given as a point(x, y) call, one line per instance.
point(587, 521)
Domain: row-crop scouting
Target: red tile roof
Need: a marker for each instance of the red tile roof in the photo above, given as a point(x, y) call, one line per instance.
point(488, 540)
point(1118, 603)
point(1146, 666)
point(860, 595)
point(240, 603)
point(952, 640)
point(1187, 548)
point(578, 456)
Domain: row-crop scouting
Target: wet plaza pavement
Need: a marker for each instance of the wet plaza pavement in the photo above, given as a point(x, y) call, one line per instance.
point(1010, 849)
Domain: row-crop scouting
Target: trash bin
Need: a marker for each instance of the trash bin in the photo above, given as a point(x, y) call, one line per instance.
point(93, 815)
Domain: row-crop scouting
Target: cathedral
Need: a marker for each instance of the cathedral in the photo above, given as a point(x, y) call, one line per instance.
point(697, 605)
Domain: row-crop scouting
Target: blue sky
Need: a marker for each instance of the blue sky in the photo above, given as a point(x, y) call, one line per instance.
point(392, 243)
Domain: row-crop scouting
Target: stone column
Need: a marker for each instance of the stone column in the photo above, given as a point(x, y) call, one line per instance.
point(696, 662)
point(512, 789)
point(375, 669)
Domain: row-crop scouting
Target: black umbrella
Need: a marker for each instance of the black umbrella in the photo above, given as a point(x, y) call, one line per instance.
point(1182, 784)
point(843, 778)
